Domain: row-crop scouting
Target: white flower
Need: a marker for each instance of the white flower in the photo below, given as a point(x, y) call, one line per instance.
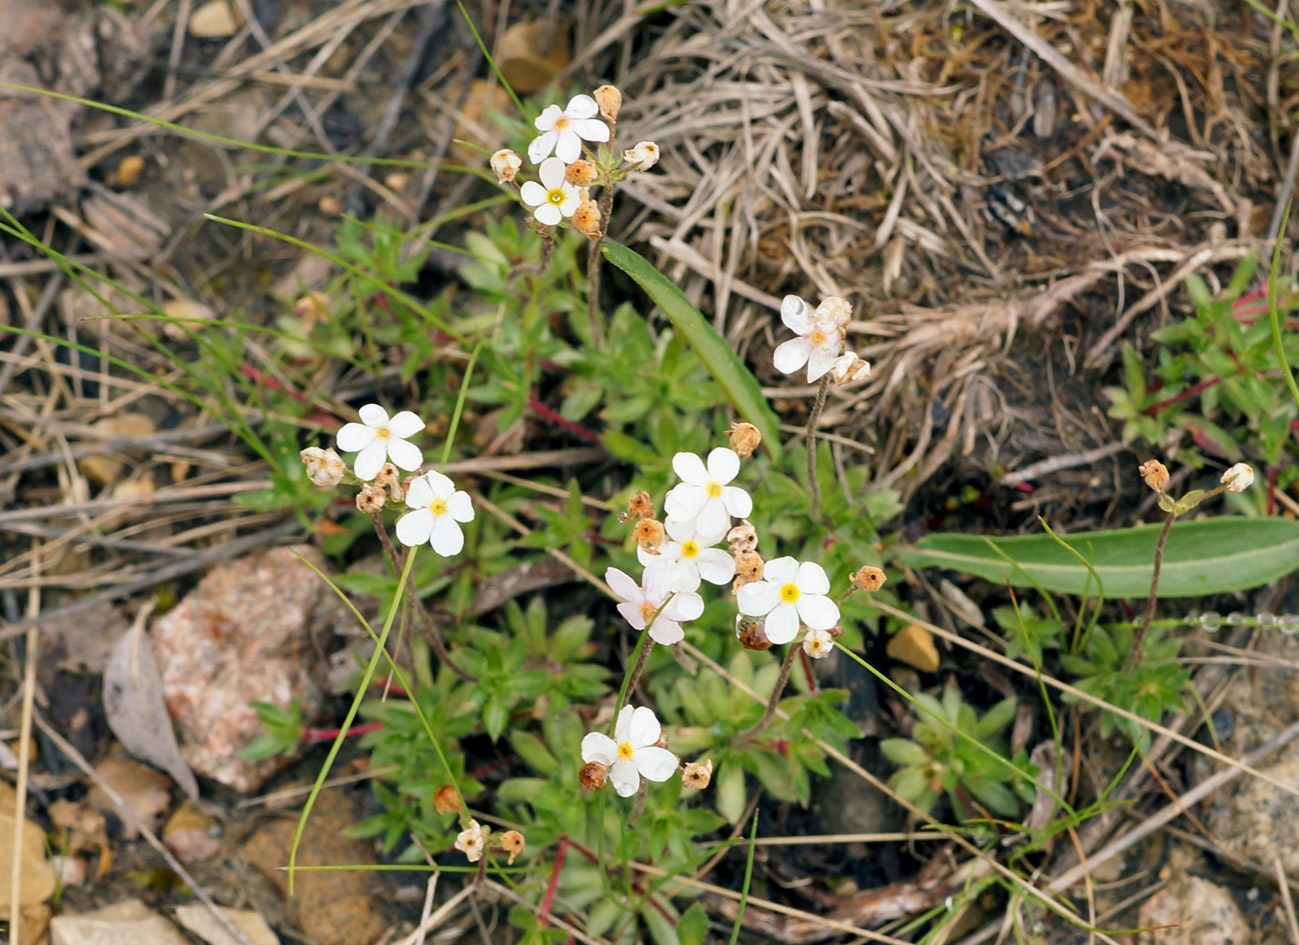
point(703, 495)
point(505, 165)
point(562, 131)
point(848, 368)
point(820, 335)
point(689, 558)
point(436, 508)
point(641, 602)
point(377, 439)
point(818, 644)
point(1238, 478)
point(789, 593)
point(470, 842)
point(643, 155)
point(554, 198)
point(631, 751)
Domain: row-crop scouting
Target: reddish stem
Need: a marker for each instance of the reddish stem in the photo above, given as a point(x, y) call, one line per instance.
point(313, 735)
point(261, 377)
point(1184, 395)
point(554, 417)
point(807, 671)
point(1271, 490)
point(543, 913)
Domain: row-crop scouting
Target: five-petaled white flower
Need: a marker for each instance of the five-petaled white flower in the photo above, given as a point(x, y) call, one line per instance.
point(818, 644)
point(689, 558)
point(655, 595)
point(436, 508)
point(377, 439)
point(470, 842)
point(554, 198)
point(788, 594)
point(820, 336)
point(631, 752)
point(703, 496)
point(562, 130)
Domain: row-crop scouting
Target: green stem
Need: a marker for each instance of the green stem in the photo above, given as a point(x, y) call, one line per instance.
point(1134, 654)
point(812, 485)
point(1273, 313)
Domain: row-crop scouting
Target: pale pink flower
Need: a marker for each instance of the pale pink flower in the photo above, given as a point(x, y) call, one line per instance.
point(655, 595)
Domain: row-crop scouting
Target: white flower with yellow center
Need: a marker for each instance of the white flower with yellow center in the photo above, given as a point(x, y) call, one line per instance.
point(632, 751)
point(437, 508)
point(820, 336)
point(703, 496)
point(689, 557)
point(377, 439)
point(470, 842)
point(563, 130)
point(554, 198)
point(789, 594)
point(818, 644)
point(655, 594)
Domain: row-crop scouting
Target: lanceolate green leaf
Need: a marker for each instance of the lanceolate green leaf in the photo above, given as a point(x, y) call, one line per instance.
point(1208, 556)
point(735, 380)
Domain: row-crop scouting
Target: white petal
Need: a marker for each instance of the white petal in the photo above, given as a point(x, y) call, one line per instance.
point(597, 746)
point(645, 728)
point(796, 314)
point(414, 527)
point(622, 730)
point(757, 599)
point(620, 583)
point(685, 605)
point(551, 173)
point(572, 200)
point(687, 581)
point(548, 214)
point(355, 436)
point(723, 465)
point(657, 764)
point(713, 517)
point(819, 613)
point(631, 613)
point(679, 529)
point(372, 415)
point(569, 146)
point(405, 424)
point(440, 484)
point(460, 507)
point(690, 468)
point(625, 777)
point(715, 566)
point(738, 502)
point(533, 194)
point(420, 494)
point(592, 129)
point(781, 571)
point(666, 632)
point(581, 106)
point(404, 454)
point(549, 115)
point(811, 578)
point(782, 624)
point(370, 460)
point(684, 501)
point(541, 145)
point(447, 538)
point(791, 355)
point(820, 362)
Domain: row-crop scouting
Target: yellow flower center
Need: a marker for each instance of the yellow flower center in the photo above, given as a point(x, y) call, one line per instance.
point(561, 123)
point(789, 593)
point(817, 337)
point(690, 549)
point(647, 611)
point(555, 196)
point(438, 507)
point(383, 433)
point(714, 490)
point(625, 750)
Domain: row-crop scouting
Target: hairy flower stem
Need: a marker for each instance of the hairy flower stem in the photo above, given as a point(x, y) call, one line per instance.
point(753, 730)
point(593, 254)
point(1134, 654)
point(813, 487)
point(434, 634)
point(638, 806)
point(638, 667)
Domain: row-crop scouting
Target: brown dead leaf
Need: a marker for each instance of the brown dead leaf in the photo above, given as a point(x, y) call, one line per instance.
point(36, 871)
point(145, 791)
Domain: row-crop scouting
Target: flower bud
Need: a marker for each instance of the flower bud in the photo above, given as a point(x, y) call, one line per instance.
point(593, 775)
point(512, 843)
point(698, 775)
point(745, 438)
point(581, 173)
point(586, 219)
point(848, 368)
point(748, 568)
point(1238, 478)
point(642, 155)
point(325, 468)
point(610, 100)
point(648, 534)
point(638, 506)
point(868, 578)
point(387, 476)
point(505, 165)
point(818, 644)
point(1155, 474)
point(446, 800)
point(312, 308)
point(743, 537)
point(751, 632)
point(370, 499)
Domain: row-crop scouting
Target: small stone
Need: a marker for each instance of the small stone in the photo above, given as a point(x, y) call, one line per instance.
point(129, 170)
point(1255, 820)
point(198, 919)
point(189, 316)
point(123, 923)
point(104, 468)
point(396, 181)
point(191, 835)
point(1190, 911)
point(914, 645)
point(533, 53)
point(215, 19)
point(330, 206)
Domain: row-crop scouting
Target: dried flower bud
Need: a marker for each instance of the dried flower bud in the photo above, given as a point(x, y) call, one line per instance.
point(446, 800)
point(835, 310)
point(648, 534)
point(593, 775)
point(1155, 474)
point(818, 644)
point(470, 842)
point(370, 499)
point(313, 308)
point(848, 368)
point(752, 632)
point(748, 568)
point(743, 537)
point(610, 100)
point(325, 468)
point(512, 843)
point(505, 165)
point(698, 775)
point(868, 578)
point(1238, 478)
point(387, 476)
point(586, 219)
point(745, 438)
point(642, 155)
point(638, 506)
point(581, 173)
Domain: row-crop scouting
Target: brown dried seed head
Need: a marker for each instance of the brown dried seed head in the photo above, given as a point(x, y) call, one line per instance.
point(698, 775)
point(745, 438)
point(1155, 474)
point(748, 568)
point(638, 506)
point(868, 578)
point(586, 219)
point(370, 499)
point(581, 173)
point(512, 843)
point(387, 476)
point(505, 165)
point(610, 101)
point(648, 534)
point(446, 800)
point(752, 633)
point(593, 775)
point(743, 537)
point(325, 468)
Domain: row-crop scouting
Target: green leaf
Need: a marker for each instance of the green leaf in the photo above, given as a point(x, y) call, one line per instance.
point(732, 376)
point(693, 925)
point(730, 791)
point(1209, 556)
point(903, 752)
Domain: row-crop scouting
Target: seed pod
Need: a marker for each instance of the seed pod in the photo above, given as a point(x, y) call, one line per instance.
point(868, 578)
point(745, 438)
point(752, 633)
point(593, 775)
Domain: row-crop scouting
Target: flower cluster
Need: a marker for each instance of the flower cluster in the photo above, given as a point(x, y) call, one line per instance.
point(820, 342)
